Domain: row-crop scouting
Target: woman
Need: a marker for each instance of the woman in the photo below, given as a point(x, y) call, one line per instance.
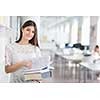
point(19, 55)
point(96, 55)
point(97, 51)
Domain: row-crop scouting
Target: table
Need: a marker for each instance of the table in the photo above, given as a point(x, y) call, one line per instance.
point(86, 66)
point(72, 58)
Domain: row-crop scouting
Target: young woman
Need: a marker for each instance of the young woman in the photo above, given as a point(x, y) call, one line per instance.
point(18, 56)
point(96, 55)
point(96, 51)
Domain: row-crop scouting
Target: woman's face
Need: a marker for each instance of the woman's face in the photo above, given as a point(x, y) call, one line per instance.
point(97, 49)
point(28, 32)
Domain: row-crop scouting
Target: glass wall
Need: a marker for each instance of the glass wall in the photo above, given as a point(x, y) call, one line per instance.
point(74, 31)
point(98, 32)
point(85, 35)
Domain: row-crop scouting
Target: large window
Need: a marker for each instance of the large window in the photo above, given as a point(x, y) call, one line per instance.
point(74, 31)
point(98, 32)
point(57, 38)
point(66, 35)
point(5, 21)
point(85, 36)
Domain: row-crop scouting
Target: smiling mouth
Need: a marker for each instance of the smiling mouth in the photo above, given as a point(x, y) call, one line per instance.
point(28, 35)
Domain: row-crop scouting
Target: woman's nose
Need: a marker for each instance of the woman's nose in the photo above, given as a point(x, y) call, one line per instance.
point(30, 32)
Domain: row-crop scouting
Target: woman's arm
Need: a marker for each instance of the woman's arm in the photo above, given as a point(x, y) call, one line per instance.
point(14, 67)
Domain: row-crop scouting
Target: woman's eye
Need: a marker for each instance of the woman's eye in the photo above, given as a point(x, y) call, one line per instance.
point(33, 32)
point(27, 29)
point(30, 30)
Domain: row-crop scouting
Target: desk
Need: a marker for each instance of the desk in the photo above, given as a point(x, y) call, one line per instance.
point(71, 58)
point(86, 66)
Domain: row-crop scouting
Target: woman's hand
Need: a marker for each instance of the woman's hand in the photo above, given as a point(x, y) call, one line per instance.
point(28, 64)
point(14, 67)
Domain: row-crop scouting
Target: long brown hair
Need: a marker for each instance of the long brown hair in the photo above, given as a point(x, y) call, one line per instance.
point(34, 40)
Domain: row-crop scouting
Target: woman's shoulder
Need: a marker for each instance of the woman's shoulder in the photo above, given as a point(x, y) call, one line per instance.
point(33, 46)
point(37, 48)
point(10, 45)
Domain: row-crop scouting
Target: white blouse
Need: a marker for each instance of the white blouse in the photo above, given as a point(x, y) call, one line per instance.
point(15, 53)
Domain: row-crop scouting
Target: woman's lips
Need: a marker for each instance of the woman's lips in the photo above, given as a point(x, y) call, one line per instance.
point(29, 36)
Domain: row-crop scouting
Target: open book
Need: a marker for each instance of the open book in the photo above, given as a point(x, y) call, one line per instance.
point(40, 69)
point(39, 63)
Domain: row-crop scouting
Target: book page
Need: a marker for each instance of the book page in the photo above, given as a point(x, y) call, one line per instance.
point(39, 63)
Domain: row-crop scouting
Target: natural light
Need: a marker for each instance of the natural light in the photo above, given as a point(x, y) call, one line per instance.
point(74, 32)
point(85, 35)
point(98, 32)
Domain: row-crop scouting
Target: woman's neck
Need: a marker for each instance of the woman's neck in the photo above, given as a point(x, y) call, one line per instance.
point(24, 42)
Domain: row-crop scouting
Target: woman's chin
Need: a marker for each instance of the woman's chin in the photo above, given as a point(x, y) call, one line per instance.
point(28, 39)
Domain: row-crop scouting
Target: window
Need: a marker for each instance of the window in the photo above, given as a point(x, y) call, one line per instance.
point(66, 34)
point(74, 32)
point(85, 36)
point(98, 32)
point(5, 21)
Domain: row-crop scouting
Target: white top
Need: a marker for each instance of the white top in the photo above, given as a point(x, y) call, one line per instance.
point(15, 53)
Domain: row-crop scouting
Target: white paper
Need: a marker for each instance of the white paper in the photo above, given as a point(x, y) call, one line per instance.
point(39, 63)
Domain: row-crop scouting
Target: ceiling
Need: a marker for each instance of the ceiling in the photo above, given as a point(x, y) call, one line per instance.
point(48, 21)
point(51, 20)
